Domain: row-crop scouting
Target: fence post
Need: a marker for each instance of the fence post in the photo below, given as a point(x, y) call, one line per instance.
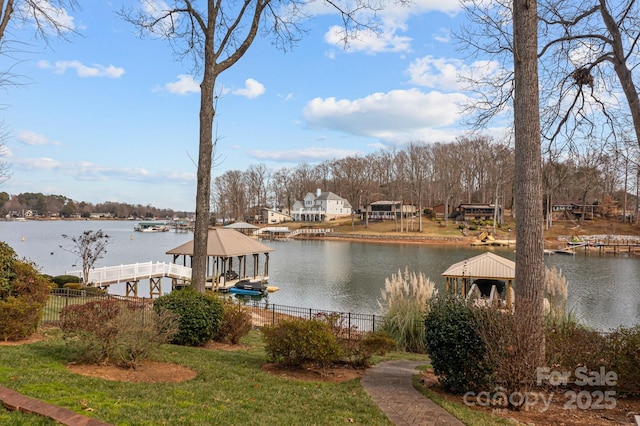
point(273, 315)
point(349, 325)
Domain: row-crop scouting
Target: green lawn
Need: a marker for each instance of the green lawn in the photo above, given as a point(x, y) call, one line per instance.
point(229, 389)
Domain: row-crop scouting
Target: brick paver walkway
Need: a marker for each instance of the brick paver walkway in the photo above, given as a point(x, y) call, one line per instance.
point(14, 401)
point(390, 386)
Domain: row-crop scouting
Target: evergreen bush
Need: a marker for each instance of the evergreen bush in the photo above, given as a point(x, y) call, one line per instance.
point(61, 280)
point(23, 295)
point(200, 315)
point(455, 348)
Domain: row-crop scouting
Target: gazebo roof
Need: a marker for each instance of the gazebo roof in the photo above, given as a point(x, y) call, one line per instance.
point(485, 265)
point(224, 243)
point(240, 225)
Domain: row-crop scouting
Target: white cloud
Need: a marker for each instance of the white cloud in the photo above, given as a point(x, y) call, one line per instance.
point(252, 89)
point(390, 116)
point(185, 85)
point(28, 137)
point(392, 20)
point(449, 74)
point(47, 16)
point(5, 151)
point(311, 154)
point(368, 41)
point(89, 171)
point(60, 67)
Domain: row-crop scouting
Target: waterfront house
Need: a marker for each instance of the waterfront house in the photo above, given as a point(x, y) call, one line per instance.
point(389, 210)
point(271, 216)
point(320, 207)
point(478, 211)
point(571, 210)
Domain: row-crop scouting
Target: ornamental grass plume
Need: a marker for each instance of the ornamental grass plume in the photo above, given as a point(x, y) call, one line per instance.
point(557, 291)
point(404, 303)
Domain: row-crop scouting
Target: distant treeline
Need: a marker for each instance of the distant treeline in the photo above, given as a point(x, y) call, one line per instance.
point(40, 205)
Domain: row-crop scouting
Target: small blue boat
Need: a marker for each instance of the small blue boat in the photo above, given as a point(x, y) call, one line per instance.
point(236, 290)
point(249, 288)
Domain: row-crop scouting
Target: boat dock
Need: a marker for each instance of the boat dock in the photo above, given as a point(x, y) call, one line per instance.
point(607, 247)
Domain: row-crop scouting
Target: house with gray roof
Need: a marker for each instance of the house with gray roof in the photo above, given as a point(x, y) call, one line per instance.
point(320, 207)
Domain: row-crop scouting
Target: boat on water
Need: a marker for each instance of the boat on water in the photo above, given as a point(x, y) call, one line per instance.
point(151, 227)
point(253, 288)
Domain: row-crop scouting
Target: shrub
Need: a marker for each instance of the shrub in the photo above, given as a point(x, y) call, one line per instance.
point(404, 302)
point(456, 350)
point(236, 323)
point(61, 280)
point(199, 315)
point(87, 289)
point(112, 331)
point(508, 341)
point(359, 352)
point(295, 342)
point(23, 294)
point(623, 356)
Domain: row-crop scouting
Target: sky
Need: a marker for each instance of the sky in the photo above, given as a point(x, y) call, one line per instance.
point(108, 116)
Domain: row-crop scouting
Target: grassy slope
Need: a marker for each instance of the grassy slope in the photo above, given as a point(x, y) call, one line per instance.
point(436, 229)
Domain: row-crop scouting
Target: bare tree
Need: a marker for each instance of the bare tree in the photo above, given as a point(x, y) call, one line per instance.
point(215, 35)
point(90, 247)
point(588, 52)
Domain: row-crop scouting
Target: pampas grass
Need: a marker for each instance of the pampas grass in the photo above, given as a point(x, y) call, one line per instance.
point(404, 302)
point(556, 292)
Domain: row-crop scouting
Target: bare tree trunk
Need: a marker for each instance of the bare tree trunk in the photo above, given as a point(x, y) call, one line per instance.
point(528, 165)
point(205, 162)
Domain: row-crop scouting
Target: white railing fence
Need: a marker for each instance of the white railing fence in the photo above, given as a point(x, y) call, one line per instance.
point(134, 272)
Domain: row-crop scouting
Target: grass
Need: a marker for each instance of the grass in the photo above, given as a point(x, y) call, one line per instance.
point(433, 228)
point(230, 388)
point(463, 413)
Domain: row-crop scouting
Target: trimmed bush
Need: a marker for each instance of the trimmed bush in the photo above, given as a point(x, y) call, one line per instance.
point(23, 294)
point(61, 280)
point(87, 289)
point(199, 315)
point(236, 323)
point(295, 342)
point(456, 350)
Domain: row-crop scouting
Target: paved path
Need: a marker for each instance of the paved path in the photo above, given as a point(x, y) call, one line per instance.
point(17, 402)
point(390, 386)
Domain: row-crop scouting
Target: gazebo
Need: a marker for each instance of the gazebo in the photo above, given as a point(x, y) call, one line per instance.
point(223, 245)
point(244, 227)
point(486, 269)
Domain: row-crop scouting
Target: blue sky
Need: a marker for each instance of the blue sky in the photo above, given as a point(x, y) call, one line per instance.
point(111, 117)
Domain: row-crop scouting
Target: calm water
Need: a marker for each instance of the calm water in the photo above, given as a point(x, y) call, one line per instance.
point(604, 292)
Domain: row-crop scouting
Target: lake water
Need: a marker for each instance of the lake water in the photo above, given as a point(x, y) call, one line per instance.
point(604, 291)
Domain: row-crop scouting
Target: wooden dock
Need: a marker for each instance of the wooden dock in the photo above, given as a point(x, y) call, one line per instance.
point(607, 247)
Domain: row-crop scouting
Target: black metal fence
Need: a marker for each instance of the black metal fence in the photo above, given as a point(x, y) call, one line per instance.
point(62, 297)
point(347, 325)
